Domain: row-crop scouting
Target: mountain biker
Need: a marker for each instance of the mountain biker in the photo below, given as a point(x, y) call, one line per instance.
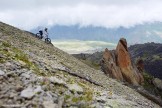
point(45, 33)
point(41, 33)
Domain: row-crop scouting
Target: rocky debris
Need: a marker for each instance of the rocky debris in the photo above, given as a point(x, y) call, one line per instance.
point(27, 93)
point(2, 73)
point(103, 96)
point(158, 83)
point(75, 88)
point(145, 93)
point(57, 81)
point(59, 67)
point(119, 66)
point(49, 104)
point(19, 88)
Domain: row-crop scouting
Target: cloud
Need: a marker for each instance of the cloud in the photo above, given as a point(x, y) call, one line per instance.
point(105, 13)
point(77, 46)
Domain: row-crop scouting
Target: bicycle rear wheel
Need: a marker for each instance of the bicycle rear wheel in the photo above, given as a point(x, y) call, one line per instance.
point(48, 40)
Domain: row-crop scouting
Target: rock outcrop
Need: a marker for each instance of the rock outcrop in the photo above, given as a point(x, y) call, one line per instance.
point(119, 66)
point(110, 67)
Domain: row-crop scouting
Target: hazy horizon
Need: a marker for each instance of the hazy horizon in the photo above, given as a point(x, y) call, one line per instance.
point(78, 46)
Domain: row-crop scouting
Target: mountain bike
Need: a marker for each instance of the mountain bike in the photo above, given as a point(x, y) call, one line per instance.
point(39, 35)
point(48, 40)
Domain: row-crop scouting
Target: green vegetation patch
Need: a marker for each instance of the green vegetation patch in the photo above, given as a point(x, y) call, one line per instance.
point(147, 80)
point(5, 44)
point(8, 52)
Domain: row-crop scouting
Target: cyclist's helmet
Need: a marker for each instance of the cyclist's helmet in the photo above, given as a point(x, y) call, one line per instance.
point(45, 29)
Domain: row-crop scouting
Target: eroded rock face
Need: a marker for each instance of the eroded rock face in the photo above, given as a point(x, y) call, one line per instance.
point(118, 64)
point(110, 67)
point(124, 62)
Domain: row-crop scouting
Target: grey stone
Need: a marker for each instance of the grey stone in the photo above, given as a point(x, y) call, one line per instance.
point(19, 88)
point(26, 75)
point(60, 102)
point(49, 104)
point(2, 73)
point(12, 95)
point(102, 97)
point(158, 83)
point(75, 87)
point(11, 80)
point(27, 93)
point(38, 89)
point(59, 67)
point(57, 80)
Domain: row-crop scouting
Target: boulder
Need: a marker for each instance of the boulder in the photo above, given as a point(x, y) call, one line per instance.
point(2, 73)
point(49, 104)
point(56, 80)
point(28, 93)
point(158, 83)
point(75, 87)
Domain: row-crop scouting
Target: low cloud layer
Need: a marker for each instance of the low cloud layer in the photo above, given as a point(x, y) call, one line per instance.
point(30, 14)
point(77, 46)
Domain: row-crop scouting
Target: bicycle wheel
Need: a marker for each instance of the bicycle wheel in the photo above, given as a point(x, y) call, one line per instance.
point(48, 40)
point(38, 36)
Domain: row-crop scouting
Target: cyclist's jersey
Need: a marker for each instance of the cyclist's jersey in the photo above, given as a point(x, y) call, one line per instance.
point(45, 34)
point(41, 32)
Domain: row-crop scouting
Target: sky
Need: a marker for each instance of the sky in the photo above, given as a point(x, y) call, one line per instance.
point(29, 14)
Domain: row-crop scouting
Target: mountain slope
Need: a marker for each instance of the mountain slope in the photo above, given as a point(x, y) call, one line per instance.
point(35, 74)
point(151, 53)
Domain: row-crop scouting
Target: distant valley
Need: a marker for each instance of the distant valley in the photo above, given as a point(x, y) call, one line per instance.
point(79, 46)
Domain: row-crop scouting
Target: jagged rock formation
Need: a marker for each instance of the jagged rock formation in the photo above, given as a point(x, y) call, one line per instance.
point(124, 62)
point(35, 74)
point(110, 65)
point(118, 64)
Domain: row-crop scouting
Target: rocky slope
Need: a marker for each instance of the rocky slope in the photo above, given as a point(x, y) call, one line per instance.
point(35, 74)
point(151, 53)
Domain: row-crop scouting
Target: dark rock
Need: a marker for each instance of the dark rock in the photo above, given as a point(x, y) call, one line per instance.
point(158, 83)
